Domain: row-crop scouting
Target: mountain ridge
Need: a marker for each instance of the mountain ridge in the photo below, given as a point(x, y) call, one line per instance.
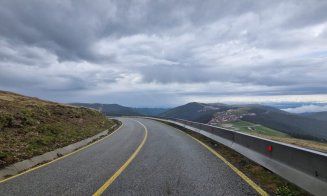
point(295, 125)
point(119, 110)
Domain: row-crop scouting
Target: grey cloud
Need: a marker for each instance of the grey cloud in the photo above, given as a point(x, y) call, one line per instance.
point(306, 13)
point(69, 28)
point(307, 108)
point(111, 48)
point(64, 27)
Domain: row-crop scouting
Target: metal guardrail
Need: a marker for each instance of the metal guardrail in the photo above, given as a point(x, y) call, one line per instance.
point(303, 167)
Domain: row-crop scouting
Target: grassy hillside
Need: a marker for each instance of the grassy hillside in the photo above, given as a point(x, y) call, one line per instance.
point(255, 129)
point(295, 125)
point(30, 126)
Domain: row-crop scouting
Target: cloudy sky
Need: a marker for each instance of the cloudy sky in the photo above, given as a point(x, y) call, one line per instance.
point(165, 53)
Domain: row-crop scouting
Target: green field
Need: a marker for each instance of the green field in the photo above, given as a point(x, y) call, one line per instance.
point(254, 129)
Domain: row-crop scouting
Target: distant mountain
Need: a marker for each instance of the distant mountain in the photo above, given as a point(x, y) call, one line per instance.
point(295, 125)
point(309, 126)
point(316, 115)
point(110, 109)
point(150, 111)
point(119, 110)
point(199, 112)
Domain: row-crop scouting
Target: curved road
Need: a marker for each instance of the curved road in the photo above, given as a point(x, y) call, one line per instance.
point(143, 157)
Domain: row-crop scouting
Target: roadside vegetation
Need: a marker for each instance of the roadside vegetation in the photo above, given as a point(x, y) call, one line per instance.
point(30, 126)
point(267, 180)
point(265, 132)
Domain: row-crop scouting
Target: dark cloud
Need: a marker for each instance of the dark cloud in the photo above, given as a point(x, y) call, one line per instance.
point(69, 28)
point(164, 49)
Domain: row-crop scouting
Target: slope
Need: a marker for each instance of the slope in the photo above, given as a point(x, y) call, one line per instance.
point(316, 115)
point(30, 126)
point(294, 125)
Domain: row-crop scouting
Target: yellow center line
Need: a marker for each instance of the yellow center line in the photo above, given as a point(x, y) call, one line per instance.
point(124, 166)
point(62, 157)
point(237, 171)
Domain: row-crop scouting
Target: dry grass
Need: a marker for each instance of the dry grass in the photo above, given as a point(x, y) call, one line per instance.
point(310, 144)
point(268, 133)
point(30, 126)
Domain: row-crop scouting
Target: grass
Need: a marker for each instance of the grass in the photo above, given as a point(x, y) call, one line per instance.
point(265, 132)
point(30, 126)
point(267, 180)
point(314, 145)
point(252, 128)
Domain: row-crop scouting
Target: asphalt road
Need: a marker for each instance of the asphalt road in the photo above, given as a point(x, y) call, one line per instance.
point(169, 163)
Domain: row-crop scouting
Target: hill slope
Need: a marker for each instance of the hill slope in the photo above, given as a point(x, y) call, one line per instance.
point(316, 115)
point(30, 126)
point(295, 125)
point(199, 112)
point(292, 124)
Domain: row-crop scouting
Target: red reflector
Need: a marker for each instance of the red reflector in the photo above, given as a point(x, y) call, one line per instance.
point(269, 148)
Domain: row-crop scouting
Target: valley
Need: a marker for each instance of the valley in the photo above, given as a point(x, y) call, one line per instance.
point(259, 120)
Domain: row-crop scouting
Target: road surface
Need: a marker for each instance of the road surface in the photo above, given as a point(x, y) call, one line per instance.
point(143, 157)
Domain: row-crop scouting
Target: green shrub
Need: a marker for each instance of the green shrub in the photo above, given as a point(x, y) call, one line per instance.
point(3, 155)
point(50, 129)
point(284, 190)
point(5, 120)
